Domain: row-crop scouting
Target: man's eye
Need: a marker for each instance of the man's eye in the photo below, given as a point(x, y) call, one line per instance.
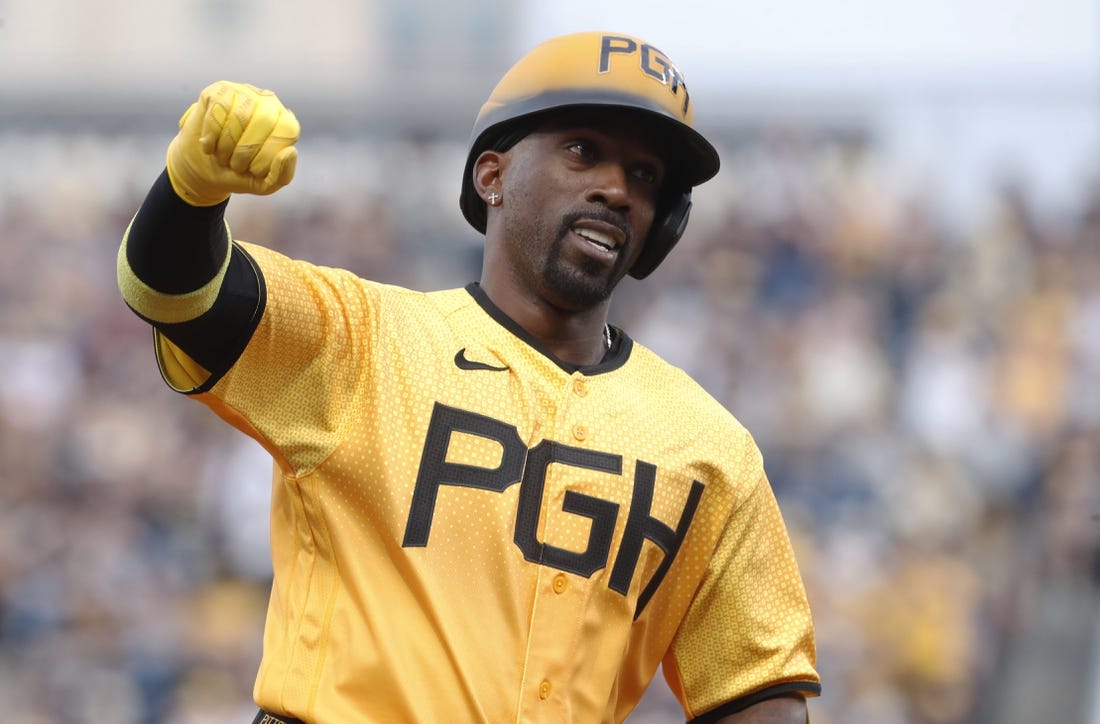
point(646, 174)
point(581, 149)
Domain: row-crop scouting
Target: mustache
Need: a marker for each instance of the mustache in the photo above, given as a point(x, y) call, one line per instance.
point(605, 215)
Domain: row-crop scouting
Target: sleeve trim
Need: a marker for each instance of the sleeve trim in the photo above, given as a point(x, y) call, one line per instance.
point(161, 307)
point(808, 688)
point(195, 355)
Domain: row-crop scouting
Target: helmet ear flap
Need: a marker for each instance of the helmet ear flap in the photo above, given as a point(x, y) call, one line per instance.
point(667, 230)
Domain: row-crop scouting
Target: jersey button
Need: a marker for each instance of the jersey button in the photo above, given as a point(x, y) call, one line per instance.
point(580, 387)
point(580, 432)
point(544, 690)
point(560, 583)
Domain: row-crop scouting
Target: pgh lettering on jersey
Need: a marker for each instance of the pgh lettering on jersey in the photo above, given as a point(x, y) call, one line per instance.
point(531, 468)
point(530, 526)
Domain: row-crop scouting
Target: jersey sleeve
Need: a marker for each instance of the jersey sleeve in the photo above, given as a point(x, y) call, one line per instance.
point(274, 345)
point(748, 634)
point(304, 365)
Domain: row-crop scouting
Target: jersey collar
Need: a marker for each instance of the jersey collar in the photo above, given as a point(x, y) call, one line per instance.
point(614, 358)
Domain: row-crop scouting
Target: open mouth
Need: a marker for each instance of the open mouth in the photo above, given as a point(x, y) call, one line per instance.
point(604, 241)
point(604, 238)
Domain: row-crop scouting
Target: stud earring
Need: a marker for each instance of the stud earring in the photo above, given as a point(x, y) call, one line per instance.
point(494, 199)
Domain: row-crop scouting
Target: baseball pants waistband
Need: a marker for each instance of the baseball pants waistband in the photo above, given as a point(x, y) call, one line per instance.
point(266, 717)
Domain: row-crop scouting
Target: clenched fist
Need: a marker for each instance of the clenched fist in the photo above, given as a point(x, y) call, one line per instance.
point(236, 138)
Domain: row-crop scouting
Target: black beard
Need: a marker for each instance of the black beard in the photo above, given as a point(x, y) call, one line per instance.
point(592, 283)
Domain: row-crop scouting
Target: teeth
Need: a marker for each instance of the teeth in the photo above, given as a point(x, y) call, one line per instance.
point(596, 238)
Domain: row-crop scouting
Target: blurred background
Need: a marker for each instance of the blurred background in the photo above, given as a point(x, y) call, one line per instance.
point(894, 283)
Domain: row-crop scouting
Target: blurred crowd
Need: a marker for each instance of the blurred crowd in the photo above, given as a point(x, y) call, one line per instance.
point(925, 386)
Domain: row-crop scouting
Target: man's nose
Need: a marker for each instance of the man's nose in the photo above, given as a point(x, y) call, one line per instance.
point(609, 186)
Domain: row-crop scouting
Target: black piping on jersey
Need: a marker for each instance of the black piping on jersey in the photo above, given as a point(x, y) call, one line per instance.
point(772, 692)
point(613, 359)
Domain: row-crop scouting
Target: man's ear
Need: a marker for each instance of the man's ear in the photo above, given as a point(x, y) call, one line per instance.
point(486, 173)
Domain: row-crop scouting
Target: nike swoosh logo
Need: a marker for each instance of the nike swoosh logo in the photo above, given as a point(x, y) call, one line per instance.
point(463, 363)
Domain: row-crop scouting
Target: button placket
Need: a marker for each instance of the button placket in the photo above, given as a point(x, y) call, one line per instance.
point(580, 386)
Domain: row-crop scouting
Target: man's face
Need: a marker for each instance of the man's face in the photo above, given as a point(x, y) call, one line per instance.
point(580, 197)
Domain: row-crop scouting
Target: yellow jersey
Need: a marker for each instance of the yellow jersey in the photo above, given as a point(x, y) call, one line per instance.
point(464, 529)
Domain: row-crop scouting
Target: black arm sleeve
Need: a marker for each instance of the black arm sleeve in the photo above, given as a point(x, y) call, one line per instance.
point(177, 248)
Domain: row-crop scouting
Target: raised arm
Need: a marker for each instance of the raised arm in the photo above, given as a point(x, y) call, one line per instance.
point(177, 268)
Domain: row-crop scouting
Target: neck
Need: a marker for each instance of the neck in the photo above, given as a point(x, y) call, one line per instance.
point(577, 337)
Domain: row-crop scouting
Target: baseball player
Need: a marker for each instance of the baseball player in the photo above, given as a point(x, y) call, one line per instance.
point(488, 504)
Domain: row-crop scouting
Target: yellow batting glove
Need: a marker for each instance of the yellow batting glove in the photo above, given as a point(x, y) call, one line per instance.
point(236, 139)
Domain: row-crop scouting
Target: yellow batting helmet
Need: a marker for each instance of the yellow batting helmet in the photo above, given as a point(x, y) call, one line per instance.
point(599, 69)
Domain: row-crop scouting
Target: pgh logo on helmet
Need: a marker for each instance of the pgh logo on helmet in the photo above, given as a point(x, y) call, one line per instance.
point(596, 69)
point(653, 63)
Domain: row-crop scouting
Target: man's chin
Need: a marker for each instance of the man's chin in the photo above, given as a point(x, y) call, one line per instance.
point(581, 288)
